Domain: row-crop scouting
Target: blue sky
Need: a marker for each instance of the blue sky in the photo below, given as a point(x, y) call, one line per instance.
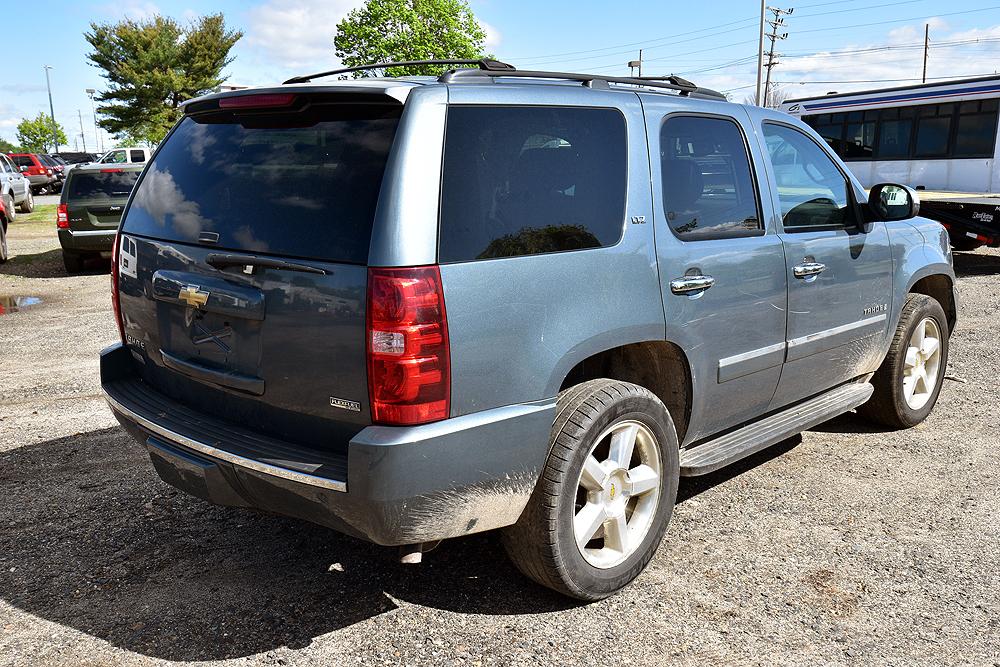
point(832, 45)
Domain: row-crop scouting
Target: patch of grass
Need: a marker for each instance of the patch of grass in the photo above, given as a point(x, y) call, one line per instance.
point(42, 213)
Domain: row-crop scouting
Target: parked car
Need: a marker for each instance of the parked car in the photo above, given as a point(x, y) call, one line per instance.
point(77, 157)
point(416, 309)
point(16, 187)
point(40, 175)
point(90, 211)
point(71, 160)
point(58, 170)
point(129, 155)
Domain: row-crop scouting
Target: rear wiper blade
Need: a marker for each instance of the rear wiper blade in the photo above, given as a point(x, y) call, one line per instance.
point(222, 261)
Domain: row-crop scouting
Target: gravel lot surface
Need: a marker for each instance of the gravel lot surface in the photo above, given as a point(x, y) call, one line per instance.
point(843, 546)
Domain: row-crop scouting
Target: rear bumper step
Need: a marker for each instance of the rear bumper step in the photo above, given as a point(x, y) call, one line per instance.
point(741, 443)
point(174, 424)
point(390, 485)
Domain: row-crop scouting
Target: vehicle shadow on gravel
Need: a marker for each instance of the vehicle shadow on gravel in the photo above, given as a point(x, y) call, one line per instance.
point(692, 486)
point(976, 264)
point(94, 541)
point(49, 264)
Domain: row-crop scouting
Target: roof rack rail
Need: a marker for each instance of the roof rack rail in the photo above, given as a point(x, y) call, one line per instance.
point(683, 86)
point(484, 64)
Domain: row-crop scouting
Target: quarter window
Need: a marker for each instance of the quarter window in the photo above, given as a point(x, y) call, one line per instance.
point(812, 190)
point(708, 185)
point(531, 180)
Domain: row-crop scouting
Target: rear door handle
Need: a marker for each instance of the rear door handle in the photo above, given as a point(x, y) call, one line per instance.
point(808, 269)
point(689, 284)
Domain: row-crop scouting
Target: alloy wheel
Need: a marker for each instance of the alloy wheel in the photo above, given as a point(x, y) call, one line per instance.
point(922, 365)
point(617, 494)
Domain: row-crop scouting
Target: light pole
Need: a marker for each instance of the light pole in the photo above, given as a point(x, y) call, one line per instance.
point(93, 109)
point(52, 111)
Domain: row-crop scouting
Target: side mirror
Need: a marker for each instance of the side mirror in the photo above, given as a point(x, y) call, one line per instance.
point(24, 169)
point(889, 202)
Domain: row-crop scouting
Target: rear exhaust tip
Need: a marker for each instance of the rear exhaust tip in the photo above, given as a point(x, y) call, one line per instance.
point(413, 554)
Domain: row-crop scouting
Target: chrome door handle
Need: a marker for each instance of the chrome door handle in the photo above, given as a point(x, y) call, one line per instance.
point(807, 269)
point(689, 284)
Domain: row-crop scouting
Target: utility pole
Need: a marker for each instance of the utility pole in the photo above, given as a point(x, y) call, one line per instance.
point(82, 135)
point(927, 47)
point(633, 64)
point(760, 49)
point(772, 56)
point(93, 109)
point(52, 112)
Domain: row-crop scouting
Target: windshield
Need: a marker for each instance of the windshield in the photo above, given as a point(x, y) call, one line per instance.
point(301, 184)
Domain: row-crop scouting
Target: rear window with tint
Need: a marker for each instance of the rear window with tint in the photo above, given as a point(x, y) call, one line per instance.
point(531, 180)
point(23, 160)
point(296, 184)
point(112, 185)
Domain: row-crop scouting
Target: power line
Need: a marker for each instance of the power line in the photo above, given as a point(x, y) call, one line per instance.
point(912, 18)
point(631, 44)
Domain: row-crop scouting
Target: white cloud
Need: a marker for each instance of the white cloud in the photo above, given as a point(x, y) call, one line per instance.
point(137, 10)
point(493, 36)
point(297, 34)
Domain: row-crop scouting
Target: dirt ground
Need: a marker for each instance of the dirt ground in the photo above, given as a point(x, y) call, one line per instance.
point(843, 546)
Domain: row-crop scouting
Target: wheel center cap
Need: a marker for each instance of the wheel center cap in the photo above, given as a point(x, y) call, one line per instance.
point(611, 491)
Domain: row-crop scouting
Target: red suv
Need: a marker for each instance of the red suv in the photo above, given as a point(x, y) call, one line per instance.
point(39, 174)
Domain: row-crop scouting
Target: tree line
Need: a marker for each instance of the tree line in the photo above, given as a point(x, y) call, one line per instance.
point(151, 67)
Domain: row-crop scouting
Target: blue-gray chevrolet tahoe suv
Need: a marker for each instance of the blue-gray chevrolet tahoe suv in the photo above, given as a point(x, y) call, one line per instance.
point(417, 308)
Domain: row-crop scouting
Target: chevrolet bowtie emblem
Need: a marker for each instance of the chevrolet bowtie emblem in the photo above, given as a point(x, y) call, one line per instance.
point(193, 296)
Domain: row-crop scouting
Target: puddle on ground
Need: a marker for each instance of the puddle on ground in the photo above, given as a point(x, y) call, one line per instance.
point(12, 304)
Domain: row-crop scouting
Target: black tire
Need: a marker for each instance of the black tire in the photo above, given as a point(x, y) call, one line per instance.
point(72, 261)
point(28, 205)
point(8, 206)
point(542, 543)
point(888, 405)
point(4, 252)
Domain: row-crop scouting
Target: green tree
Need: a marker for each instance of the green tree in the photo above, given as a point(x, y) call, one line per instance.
point(35, 134)
point(153, 66)
point(7, 147)
point(394, 30)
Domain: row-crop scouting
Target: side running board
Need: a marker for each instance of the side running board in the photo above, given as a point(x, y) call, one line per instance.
point(741, 443)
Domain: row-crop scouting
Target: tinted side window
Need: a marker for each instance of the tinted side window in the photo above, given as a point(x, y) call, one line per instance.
point(531, 180)
point(932, 136)
point(812, 190)
point(137, 156)
point(894, 139)
point(977, 129)
point(708, 186)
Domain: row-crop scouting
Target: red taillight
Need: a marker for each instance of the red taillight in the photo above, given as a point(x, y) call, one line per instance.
point(257, 101)
point(112, 171)
point(115, 301)
point(62, 217)
point(409, 379)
